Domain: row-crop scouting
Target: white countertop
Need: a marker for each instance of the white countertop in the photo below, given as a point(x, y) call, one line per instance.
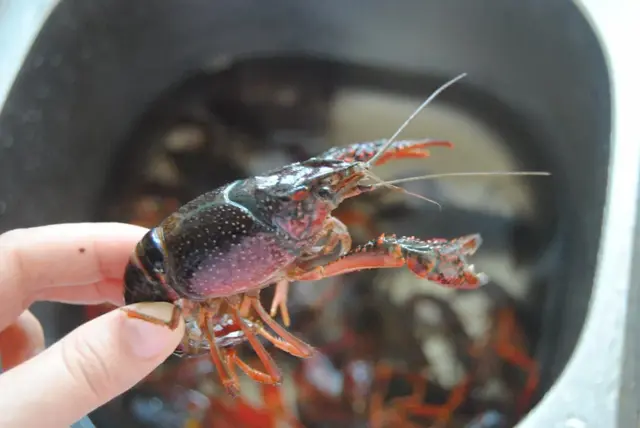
point(617, 24)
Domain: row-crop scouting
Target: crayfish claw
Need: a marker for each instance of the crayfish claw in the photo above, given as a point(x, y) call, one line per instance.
point(480, 278)
point(419, 268)
point(438, 260)
point(468, 244)
point(469, 280)
point(443, 261)
point(365, 151)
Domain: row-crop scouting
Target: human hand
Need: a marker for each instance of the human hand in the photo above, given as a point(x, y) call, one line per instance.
point(82, 264)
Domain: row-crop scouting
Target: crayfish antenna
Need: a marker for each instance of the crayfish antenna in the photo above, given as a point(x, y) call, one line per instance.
point(424, 198)
point(392, 183)
point(462, 174)
point(381, 183)
point(417, 111)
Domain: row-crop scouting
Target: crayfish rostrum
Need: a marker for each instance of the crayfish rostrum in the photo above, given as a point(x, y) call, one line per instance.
point(213, 255)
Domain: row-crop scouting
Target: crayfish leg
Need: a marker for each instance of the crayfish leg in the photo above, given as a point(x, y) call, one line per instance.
point(300, 348)
point(382, 378)
point(229, 360)
point(254, 374)
point(406, 406)
point(530, 387)
point(281, 344)
point(228, 378)
point(441, 413)
point(508, 347)
point(245, 307)
point(280, 302)
point(338, 233)
point(266, 359)
point(172, 323)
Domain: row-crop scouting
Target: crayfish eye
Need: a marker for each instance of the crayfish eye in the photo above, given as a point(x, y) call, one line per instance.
point(325, 193)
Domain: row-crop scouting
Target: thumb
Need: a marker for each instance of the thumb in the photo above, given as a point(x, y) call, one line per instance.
point(91, 365)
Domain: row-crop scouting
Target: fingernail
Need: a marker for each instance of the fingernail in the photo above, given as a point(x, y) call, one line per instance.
point(147, 333)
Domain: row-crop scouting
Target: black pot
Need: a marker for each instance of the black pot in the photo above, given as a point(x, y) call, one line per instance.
point(536, 73)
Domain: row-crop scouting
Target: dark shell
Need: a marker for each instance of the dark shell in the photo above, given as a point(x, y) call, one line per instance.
point(213, 246)
point(143, 275)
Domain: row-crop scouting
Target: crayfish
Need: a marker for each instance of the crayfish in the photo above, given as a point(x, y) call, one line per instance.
point(212, 256)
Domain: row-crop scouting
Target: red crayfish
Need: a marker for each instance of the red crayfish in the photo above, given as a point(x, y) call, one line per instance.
point(213, 255)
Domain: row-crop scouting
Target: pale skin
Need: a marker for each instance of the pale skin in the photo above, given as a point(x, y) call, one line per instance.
point(77, 264)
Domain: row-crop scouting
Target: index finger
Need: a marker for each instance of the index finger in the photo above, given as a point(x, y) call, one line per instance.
point(64, 255)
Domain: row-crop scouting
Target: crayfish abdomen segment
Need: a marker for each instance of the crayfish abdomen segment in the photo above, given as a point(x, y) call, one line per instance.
point(138, 288)
point(144, 277)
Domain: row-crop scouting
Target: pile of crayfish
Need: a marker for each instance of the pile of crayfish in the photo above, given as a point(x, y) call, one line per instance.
point(349, 382)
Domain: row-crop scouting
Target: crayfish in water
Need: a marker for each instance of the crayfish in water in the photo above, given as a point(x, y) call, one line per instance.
point(213, 255)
